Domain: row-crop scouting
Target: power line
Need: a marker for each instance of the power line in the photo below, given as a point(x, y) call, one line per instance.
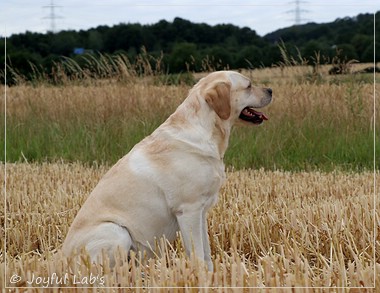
point(52, 16)
point(297, 12)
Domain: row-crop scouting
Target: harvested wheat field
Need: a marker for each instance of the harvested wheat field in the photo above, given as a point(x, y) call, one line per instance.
point(269, 229)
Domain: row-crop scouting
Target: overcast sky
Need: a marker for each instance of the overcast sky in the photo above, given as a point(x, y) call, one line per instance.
point(263, 16)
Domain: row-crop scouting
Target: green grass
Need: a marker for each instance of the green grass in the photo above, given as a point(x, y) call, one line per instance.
point(273, 145)
point(307, 147)
point(312, 126)
point(43, 140)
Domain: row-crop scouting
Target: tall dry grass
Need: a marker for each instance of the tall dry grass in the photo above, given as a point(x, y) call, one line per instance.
point(269, 229)
point(313, 125)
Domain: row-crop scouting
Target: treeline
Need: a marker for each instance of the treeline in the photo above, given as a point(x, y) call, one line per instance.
point(182, 45)
point(353, 35)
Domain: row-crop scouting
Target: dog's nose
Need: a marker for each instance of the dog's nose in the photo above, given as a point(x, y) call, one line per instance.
point(269, 90)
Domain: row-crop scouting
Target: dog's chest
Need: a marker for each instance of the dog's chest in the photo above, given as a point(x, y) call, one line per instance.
point(197, 182)
point(181, 176)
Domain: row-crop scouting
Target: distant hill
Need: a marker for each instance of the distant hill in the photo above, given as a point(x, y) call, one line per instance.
point(184, 45)
point(352, 34)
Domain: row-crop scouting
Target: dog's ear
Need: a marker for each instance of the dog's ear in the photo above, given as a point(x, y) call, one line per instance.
point(218, 98)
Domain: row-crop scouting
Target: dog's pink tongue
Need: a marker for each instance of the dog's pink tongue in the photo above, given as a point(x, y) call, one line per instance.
point(260, 114)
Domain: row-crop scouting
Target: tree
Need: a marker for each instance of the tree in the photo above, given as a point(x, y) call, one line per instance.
point(183, 57)
point(220, 58)
point(348, 51)
point(21, 62)
point(249, 56)
point(95, 41)
point(361, 43)
point(185, 44)
point(311, 48)
point(65, 42)
point(368, 53)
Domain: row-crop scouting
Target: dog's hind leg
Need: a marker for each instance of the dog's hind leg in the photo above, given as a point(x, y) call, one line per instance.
point(108, 238)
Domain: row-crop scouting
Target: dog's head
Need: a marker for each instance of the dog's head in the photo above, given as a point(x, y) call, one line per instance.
point(233, 97)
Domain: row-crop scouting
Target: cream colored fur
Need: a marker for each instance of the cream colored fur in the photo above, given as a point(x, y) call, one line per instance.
point(169, 180)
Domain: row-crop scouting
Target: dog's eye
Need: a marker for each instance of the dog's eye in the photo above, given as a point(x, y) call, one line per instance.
point(249, 86)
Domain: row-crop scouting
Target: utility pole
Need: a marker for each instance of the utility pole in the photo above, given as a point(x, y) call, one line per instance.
point(297, 12)
point(52, 16)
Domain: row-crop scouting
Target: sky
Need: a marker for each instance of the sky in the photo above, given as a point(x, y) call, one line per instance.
point(263, 16)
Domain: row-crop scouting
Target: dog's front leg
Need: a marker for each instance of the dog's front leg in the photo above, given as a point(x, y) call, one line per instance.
point(190, 224)
point(206, 242)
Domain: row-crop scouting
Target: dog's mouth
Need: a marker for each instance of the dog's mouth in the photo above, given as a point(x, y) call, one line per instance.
point(251, 115)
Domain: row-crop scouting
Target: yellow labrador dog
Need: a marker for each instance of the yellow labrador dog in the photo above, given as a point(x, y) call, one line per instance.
point(169, 180)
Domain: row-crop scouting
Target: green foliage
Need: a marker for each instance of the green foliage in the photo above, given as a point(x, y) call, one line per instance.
point(250, 57)
point(184, 44)
point(353, 35)
point(183, 57)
